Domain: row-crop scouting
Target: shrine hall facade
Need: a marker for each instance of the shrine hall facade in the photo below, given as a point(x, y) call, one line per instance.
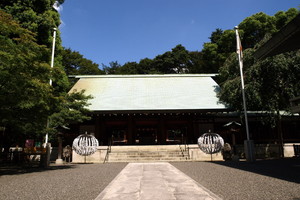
point(157, 109)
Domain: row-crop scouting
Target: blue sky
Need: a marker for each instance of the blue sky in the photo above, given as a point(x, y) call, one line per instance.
point(130, 30)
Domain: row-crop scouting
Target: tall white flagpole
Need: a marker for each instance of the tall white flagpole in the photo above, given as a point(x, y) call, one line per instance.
point(249, 146)
point(240, 57)
point(53, 49)
point(52, 64)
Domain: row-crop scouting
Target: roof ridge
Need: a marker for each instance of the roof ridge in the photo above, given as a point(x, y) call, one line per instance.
point(144, 76)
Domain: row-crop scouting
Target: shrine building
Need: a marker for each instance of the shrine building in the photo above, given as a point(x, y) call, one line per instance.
point(151, 109)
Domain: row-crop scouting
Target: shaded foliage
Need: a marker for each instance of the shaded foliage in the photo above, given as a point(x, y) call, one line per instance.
point(27, 99)
point(73, 109)
point(269, 83)
point(24, 77)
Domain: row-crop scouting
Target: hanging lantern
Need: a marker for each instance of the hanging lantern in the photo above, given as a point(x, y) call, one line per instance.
point(85, 145)
point(210, 143)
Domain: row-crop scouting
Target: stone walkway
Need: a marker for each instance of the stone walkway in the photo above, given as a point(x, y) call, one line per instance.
point(143, 181)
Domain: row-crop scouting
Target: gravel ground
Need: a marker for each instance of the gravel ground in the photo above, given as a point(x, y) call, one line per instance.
point(81, 181)
point(268, 179)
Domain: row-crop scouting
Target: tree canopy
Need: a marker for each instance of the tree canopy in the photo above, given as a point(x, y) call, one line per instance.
point(75, 64)
point(27, 99)
point(38, 16)
point(269, 83)
point(24, 77)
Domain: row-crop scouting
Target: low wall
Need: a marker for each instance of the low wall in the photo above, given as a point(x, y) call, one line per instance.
point(262, 151)
point(97, 157)
point(197, 155)
point(288, 149)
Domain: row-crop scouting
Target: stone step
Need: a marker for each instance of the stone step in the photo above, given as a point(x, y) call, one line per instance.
point(147, 148)
point(148, 160)
point(146, 157)
point(147, 153)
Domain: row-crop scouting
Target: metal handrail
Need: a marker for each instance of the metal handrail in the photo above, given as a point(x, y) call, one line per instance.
point(108, 150)
point(185, 147)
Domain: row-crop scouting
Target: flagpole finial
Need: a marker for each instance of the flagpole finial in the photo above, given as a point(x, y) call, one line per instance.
point(236, 27)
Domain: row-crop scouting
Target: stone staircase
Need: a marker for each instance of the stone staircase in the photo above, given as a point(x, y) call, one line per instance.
point(151, 153)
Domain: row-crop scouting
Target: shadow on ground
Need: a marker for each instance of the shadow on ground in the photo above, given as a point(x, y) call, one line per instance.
point(286, 169)
point(15, 169)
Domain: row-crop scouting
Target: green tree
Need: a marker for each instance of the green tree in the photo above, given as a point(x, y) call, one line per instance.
point(278, 78)
point(24, 78)
point(282, 18)
point(254, 28)
point(75, 64)
point(73, 109)
point(146, 66)
point(27, 99)
point(176, 61)
point(216, 35)
point(269, 84)
point(230, 82)
point(274, 77)
point(197, 63)
point(210, 57)
point(112, 68)
point(38, 16)
point(129, 68)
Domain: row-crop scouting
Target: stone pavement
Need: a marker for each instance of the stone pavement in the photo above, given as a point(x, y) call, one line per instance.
point(143, 181)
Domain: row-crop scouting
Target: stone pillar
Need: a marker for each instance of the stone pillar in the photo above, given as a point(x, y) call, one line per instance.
point(59, 159)
point(45, 158)
point(249, 150)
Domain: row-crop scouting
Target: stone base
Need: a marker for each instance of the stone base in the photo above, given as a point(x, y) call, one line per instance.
point(249, 150)
point(59, 161)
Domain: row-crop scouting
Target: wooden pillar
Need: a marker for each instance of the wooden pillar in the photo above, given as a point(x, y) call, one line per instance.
point(193, 138)
point(130, 130)
point(97, 129)
point(189, 131)
point(162, 131)
point(102, 131)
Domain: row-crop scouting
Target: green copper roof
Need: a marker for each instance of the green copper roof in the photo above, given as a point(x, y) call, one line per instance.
point(150, 92)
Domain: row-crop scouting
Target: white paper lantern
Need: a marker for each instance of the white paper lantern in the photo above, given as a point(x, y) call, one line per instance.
point(210, 143)
point(85, 144)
